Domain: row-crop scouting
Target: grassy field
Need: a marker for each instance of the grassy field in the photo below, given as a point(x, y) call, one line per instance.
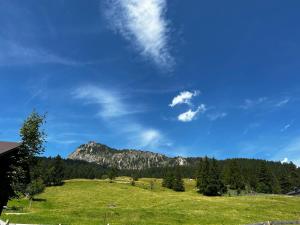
point(95, 202)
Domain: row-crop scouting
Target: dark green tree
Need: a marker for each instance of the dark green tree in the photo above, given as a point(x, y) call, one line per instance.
point(57, 171)
point(285, 183)
point(215, 186)
point(233, 176)
point(112, 174)
point(265, 179)
point(168, 179)
point(203, 175)
point(295, 175)
point(178, 183)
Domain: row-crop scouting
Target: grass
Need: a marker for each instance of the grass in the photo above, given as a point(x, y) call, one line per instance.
point(95, 202)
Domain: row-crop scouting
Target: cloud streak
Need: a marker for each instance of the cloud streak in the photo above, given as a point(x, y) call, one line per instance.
point(117, 113)
point(143, 24)
point(13, 53)
point(216, 116)
point(110, 103)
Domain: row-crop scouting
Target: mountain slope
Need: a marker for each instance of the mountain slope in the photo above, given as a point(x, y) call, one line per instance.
point(122, 159)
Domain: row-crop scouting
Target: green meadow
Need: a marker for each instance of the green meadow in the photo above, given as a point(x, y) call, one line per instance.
point(96, 202)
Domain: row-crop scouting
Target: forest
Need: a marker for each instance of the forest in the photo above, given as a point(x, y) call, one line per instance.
point(250, 175)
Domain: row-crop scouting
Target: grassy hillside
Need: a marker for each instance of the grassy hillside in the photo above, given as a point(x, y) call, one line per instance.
point(100, 202)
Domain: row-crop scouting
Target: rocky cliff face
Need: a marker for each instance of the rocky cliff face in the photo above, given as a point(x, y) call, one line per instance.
point(123, 159)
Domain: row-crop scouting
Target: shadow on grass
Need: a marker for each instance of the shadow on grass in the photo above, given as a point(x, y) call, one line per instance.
point(39, 200)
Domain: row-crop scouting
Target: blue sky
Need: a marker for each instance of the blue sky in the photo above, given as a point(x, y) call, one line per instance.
point(217, 78)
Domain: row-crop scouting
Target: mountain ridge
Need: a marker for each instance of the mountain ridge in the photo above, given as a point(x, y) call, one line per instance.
point(124, 158)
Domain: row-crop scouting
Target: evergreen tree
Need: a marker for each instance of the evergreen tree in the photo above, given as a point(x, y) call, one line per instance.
point(203, 175)
point(276, 189)
point(113, 173)
point(215, 186)
point(285, 183)
point(58, 171)
point(295, 176)
point(168, 180)
point(233, 176)
point(178, 183)
point(264, 179)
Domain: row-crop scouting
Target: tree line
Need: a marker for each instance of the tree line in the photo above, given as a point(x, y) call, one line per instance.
point(214, 177)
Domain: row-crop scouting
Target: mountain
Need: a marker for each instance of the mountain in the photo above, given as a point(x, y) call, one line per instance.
point(123, 159)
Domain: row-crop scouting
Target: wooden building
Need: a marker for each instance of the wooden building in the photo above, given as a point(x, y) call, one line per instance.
point(7, 157)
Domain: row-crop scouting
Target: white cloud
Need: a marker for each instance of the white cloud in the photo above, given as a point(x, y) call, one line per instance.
point(184, 98)
point(111, 103)
point(191, 115)
point(216, 116)
point(143, 23)
point(285, 160)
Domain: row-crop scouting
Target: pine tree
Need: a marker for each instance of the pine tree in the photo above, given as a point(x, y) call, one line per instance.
point(295, 176)
point(264, 179)
point(203, 173)
point(58, 171)
point(233, 176)
point(285, 183)
point(178, 183)
point(215, 186)
point(112, 174)
point(168, 180)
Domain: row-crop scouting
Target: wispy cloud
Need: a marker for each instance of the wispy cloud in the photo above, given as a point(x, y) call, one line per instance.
point(216, 116)
point(117, 113)
point(152, 138)
point(282, 102)
point(250, 127)
point(191, 115)
point(111, 103)
point(184, 97)
point(251, 103)
point(144, 24)
point(13, 53)
point(286, 127)
point(265, 103)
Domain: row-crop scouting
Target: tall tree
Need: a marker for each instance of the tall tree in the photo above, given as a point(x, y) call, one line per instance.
point(295, 176)
point(215, 186)
point(168, 179)
point(233, 176)
point(33, 138)
point(112, 174)
point(178, 183)
point(203, 175)
point(58, 171)
point(264, 179)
